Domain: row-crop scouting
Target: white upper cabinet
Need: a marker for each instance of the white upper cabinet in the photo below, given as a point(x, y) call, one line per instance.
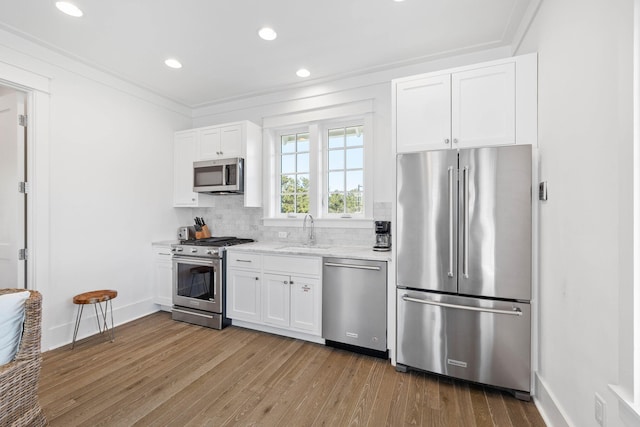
point(486, 104)
point(184, 154)
point(483, 106)
point(220, 142)
point(423, 118)
point(239, 139)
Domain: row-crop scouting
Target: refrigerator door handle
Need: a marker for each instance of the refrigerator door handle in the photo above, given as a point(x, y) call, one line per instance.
point(465, 225)
point(451, 225)
point(514, 312)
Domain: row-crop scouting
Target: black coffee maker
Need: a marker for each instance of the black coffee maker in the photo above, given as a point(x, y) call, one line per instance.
point(383, 236)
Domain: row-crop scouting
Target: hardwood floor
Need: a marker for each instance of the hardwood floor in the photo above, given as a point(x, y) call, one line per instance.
point(161, 372)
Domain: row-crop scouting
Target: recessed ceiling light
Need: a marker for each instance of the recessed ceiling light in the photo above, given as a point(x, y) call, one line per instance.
point(69, 8)
point(303, 72)
point(267, 33)
point(173, 63)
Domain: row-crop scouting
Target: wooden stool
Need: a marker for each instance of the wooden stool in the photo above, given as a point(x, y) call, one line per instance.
point(95, 298)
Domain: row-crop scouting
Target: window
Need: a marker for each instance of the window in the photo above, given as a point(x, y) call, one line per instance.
point(321, 169)
point(294, 173)
point(345, 171)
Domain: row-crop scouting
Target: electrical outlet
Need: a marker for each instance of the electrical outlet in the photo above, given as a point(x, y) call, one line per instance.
point(282, 234)
point(600, 410)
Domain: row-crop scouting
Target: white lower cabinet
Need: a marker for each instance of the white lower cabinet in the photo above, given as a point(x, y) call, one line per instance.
point(306, 304)
point(162, 276)
point(284, 293)
point(244, 295)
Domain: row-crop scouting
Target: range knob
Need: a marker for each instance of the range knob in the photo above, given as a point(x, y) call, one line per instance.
point(176, 249)
point(210, 252)
point(194, 250)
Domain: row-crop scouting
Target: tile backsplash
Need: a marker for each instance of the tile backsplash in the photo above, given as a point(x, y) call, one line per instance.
point(230, 218)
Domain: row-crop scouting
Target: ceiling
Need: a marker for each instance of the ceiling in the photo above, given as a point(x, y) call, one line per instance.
point(223, 58)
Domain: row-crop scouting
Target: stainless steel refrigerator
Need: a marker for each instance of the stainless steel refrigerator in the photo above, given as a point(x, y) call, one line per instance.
point(464, 264)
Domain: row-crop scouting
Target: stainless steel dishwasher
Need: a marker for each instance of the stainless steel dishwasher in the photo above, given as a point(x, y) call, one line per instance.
point(354, 305)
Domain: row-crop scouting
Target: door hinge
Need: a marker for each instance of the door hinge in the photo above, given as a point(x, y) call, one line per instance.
point(23, 254)
point(23, 187)
point(22, 120)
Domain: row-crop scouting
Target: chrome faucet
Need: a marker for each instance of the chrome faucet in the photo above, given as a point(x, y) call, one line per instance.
point(310, 233)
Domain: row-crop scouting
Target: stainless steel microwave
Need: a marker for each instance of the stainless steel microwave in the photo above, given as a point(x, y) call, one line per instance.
point(219, 176)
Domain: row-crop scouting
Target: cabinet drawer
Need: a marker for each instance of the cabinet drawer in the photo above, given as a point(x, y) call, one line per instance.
point(244, 260)
point(308, 266)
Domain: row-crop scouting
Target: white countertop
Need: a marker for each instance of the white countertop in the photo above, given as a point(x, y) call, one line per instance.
point(355, 252)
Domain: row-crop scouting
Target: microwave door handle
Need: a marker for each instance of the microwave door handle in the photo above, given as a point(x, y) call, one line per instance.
point(226, 175)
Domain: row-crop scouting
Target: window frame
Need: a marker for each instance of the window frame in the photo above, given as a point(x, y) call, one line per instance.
point(318, 207)
point(277, 173)
point(326, 127)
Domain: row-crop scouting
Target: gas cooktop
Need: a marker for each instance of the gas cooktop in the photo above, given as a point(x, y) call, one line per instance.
point(216, 242)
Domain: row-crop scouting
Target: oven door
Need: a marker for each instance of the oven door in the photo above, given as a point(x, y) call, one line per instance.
point(197, 283)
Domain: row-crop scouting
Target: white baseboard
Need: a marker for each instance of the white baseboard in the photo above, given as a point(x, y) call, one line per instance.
point(61, 335)
point(278, 331)
point(551, 412)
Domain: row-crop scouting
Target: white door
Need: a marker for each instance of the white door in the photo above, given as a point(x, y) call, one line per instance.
point(306, 304)
point(243, 300)
point(484, 106)
point(231, 141)
point(184, 152)
point(208, 144)
point(12, 202)
point(423, 114)
point(276, 299)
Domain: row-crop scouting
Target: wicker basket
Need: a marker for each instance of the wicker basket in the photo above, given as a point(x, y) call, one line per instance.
point(19, 404)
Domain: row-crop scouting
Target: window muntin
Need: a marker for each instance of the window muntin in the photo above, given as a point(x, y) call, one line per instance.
point(345, 171)
point(294, 173)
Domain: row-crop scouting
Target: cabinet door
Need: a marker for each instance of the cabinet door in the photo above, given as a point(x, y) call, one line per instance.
point(306, 304)
point(484, 106)
point(276, 299)
point(184, 152)
point(243, 295)
point(209, 144)
point(162, 277)
point(231, 141)
point(423, 114)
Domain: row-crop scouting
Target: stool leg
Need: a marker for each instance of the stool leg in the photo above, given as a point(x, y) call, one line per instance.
point(113, 333)
point(105, 328)
point(75, 330)
point(97, 318)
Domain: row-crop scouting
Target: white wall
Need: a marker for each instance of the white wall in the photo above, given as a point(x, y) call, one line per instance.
point(585, 139)
point(109, 175)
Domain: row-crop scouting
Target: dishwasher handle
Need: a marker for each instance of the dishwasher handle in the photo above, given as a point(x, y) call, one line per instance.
point(361, 267)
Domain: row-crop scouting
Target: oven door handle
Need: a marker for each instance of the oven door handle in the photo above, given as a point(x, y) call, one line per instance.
point(208, 262)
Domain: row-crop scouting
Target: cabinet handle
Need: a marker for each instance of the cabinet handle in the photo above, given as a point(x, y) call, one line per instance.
point(286, 283)
point(243, 260)
point(455, 140)
point(291, 282)
point(257, 278)
point(446, 140)
point(221, 153)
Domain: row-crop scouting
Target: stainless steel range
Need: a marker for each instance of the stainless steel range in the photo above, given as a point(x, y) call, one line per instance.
point(199, 280)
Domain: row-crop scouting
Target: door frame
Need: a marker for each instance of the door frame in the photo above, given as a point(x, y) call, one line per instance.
point(37, 89)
